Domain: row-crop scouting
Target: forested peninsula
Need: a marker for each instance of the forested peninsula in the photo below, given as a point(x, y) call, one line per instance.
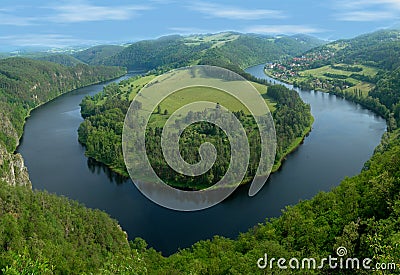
point(104, 114)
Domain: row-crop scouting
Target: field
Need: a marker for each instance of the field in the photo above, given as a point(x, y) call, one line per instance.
point(329, 73)
point(188, 95)
point(363, 87)
point(320, 72)
point(217, 40)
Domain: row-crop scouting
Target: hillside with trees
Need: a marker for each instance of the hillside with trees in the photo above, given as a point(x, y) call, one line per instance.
point(248, 50)
point(387, 91)
point(242, 50)
point(26, 84)
point(95, 55)
point(168, 51)
point(62, 59)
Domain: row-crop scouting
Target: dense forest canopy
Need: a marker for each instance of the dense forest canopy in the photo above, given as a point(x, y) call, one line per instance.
point(96, 55)
point(62, 59)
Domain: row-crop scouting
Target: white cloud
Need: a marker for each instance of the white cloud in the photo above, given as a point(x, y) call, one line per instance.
point(367, 10)
point(10, 16)
point(12, 20)
point(282, 29)
point(360, 4)
point(228, 12)
point(365, 16)
point(84, 12)
point(44, 40)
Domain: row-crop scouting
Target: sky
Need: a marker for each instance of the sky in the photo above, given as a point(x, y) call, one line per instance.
point(59, 24)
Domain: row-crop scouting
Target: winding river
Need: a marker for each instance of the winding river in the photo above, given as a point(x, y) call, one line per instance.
point(344, 136)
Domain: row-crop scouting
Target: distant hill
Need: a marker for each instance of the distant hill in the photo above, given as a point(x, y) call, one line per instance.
point(95, 55)
point(241, 49)
point(378, 49)
point(62, 59)
point(249, 49)
point(308, 39)
point(150, 54)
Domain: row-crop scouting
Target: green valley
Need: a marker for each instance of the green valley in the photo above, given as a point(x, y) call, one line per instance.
point(43, 233)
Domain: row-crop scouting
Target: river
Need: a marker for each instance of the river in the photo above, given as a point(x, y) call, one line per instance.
point(343, 138)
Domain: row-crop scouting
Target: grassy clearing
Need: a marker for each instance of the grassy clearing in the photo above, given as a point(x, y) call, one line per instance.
point(193, 94)
point(363, 86)
point(136, 85)
point(218, 39)
point(337, 46)
point(189, 95)
point(320, 72)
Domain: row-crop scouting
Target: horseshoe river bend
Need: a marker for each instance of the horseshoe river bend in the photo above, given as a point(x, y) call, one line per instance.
point(342, 139)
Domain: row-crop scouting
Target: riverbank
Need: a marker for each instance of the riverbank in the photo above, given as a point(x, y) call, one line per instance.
point(26, 85)
point(293, 147)
point(30, 110)
point(363, 99)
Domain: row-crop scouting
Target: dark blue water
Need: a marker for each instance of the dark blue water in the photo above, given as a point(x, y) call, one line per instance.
point(344, 136)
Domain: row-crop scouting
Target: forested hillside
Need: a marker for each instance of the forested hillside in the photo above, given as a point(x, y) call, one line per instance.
point(62, 59)
point(96, 55)
point(226, 48)
point(169, 51)
point(248, 50)
point(24, 85)
point(378, 49)
point(387, 91)
point(48, 234)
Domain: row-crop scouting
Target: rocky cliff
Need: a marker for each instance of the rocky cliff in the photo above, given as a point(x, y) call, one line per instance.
point(12, 168)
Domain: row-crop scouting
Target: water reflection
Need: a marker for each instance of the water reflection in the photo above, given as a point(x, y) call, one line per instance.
point(99, 168)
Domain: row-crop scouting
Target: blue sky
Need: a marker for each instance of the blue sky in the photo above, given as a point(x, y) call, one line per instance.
point(26, 23)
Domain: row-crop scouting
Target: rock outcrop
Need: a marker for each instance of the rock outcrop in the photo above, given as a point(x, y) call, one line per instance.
point(12, 169)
